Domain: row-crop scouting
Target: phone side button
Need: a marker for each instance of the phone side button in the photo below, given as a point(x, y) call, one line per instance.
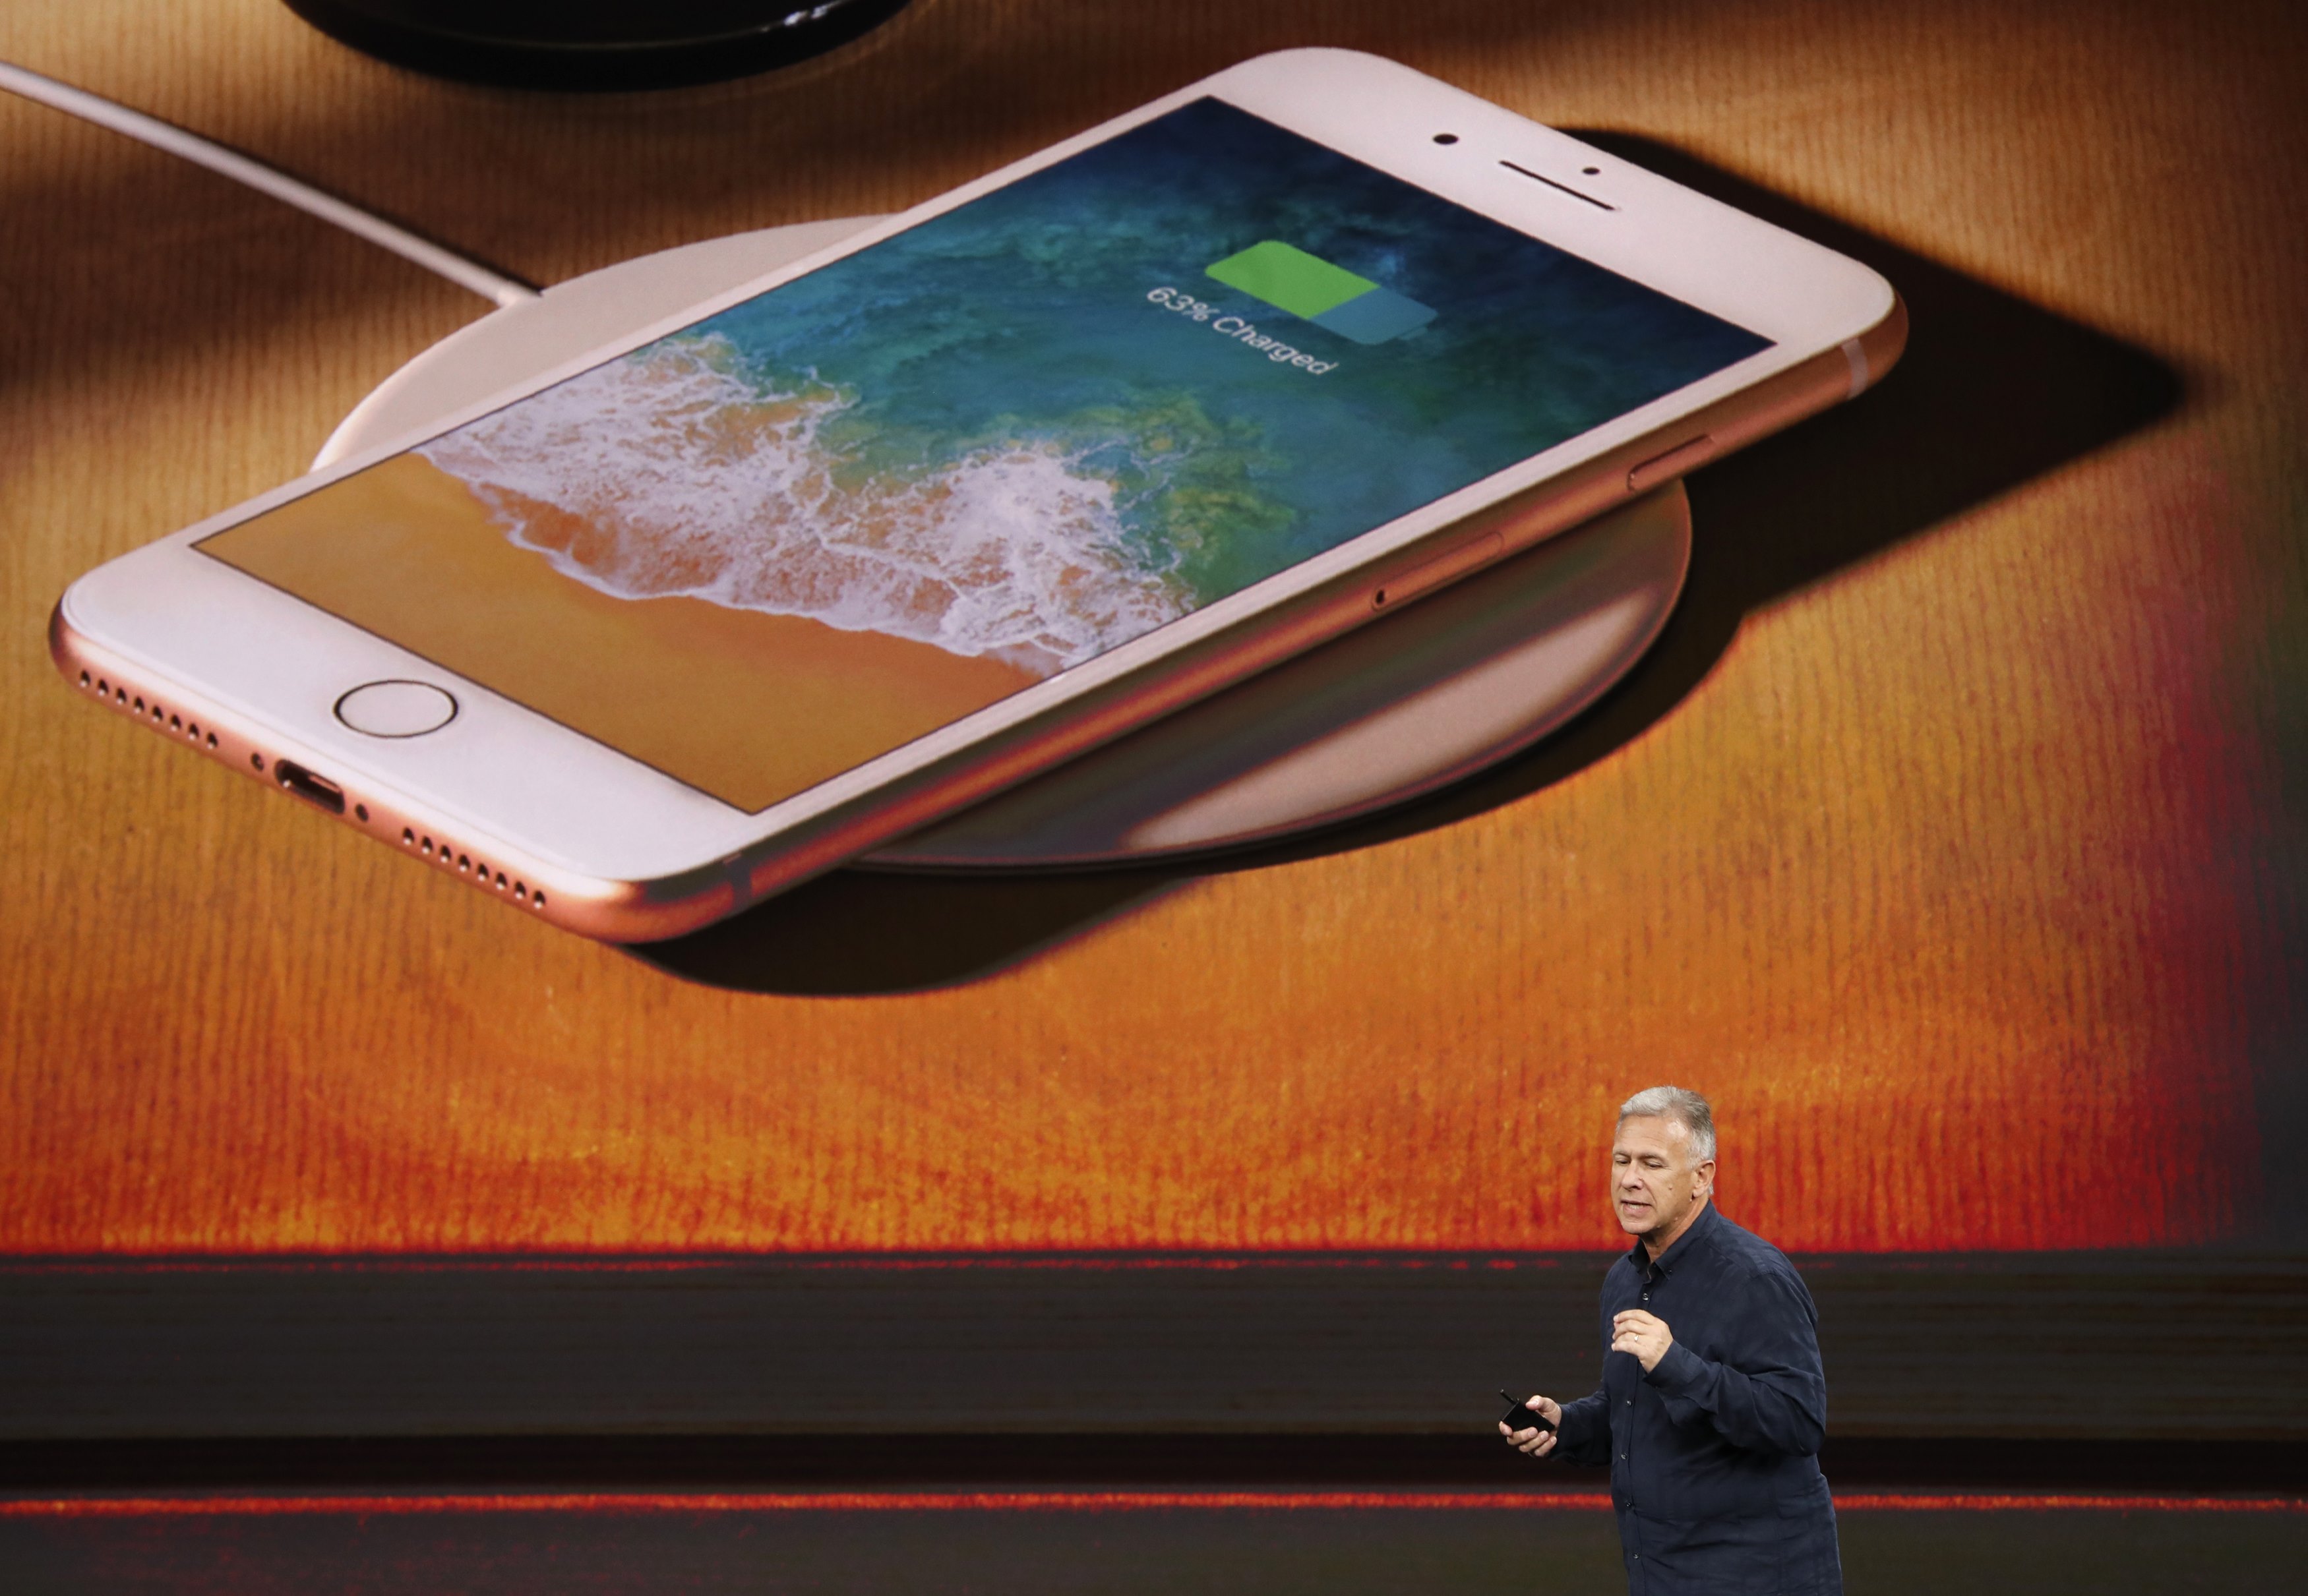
point(1674, 463)
point(1442, 568)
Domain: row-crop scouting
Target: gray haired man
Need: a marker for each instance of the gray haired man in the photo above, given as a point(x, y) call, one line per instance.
point(1713, 1403)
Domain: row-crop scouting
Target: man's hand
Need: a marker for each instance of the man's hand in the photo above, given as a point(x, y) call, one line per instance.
point(1645, 1335)
point(1533, 1440)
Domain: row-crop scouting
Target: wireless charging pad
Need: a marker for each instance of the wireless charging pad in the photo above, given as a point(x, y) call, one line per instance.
point(1400, 706)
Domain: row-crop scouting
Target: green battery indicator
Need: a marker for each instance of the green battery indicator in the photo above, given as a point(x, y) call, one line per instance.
point(1310, 287)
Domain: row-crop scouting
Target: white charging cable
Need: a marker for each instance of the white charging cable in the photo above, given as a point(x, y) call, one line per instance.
point(151, 130)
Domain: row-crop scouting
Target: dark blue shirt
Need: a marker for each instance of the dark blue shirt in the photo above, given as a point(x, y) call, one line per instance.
point(1713, 1453)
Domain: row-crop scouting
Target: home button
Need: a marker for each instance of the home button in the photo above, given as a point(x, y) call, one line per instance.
point(396, 708)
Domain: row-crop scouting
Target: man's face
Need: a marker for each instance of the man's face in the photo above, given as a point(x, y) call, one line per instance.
point(1654, 1184)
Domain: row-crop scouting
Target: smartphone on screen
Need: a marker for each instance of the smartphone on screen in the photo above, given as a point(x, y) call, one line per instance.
point(709, 610)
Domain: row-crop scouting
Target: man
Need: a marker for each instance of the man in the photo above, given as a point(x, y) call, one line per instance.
point(1713, 1403)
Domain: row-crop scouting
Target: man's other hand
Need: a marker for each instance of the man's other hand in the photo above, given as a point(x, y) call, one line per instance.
point(1533, 1440)
point(1645, 1335)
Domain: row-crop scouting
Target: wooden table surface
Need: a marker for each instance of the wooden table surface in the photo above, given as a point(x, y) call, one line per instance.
point(1954, 844)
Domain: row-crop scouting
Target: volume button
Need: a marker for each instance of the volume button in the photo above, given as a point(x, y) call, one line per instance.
point(1442, 568)
point(1674, 463)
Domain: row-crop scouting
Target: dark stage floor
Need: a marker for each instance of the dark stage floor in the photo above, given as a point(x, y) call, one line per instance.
point(1336, 1543)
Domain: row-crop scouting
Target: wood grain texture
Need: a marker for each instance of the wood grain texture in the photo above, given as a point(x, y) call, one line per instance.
point(1969, 880)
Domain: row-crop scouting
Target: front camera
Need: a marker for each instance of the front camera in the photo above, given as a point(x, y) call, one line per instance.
point(1446, 138)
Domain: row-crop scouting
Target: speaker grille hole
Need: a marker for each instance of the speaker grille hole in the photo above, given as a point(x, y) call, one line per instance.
point(485, 874)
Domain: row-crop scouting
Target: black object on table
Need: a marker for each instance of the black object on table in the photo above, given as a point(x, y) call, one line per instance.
point(595, 44)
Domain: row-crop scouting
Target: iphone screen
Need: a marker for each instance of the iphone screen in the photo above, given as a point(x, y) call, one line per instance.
point(826, 521)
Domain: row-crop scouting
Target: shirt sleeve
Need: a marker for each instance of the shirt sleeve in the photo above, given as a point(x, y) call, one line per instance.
point(1770, 1393)
point(1584, 1435)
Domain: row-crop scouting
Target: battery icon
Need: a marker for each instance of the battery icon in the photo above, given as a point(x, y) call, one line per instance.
point(1331, 297)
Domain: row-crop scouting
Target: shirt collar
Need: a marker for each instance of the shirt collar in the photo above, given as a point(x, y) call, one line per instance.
point(1685, 1247)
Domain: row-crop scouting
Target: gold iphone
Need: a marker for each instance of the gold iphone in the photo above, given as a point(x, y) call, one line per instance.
point(715, 607)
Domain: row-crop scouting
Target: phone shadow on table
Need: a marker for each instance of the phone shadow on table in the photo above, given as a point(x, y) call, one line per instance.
point(1992, 392)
